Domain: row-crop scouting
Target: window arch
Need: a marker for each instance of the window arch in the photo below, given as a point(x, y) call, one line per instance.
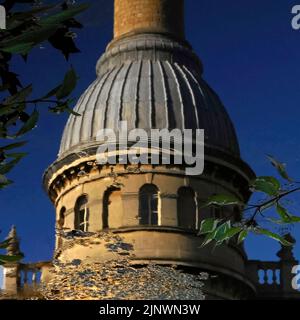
point(148, 205)
point(112, 208)
point(82, 214)
point(186, 208)
point(61, 218)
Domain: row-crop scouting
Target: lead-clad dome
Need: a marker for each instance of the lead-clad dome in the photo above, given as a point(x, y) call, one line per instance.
point(150, 81)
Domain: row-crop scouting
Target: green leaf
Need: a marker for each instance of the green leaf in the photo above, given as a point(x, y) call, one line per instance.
point(274, 236)
point(208, 225)
point(5, 184)
point(281, 168)
point(13, 145)
point(44, 29)
point(209, 238)
point(276, 221)
point(221, 232)
point(4, 110)
point(3, 180)
point(233, 231)
point(62, 16)
point(52, 92)
point(64, 107)
point(268, 185)
point(286, 217)
point(20, 96)
point(283, 213)
point(71, 111)
point(38, 34)
point(69, 84)
point(242, 236)
point(222, 200)
point(17, 155)
point(5, 258)
point(29, 124)
point(295, 219)
point(6, 167)
point(20, 48)
point(14, 18)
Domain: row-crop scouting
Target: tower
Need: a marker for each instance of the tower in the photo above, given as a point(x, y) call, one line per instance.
point(150, 77)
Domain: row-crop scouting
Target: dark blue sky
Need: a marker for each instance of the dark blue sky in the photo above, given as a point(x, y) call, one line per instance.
point(251, 57)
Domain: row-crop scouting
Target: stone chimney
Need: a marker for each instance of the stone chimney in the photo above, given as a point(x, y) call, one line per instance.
point(149, 16)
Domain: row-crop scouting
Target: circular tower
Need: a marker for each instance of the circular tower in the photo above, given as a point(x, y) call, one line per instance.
point(150, 77)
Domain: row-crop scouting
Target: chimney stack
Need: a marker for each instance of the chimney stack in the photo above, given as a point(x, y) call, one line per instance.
point(149, 16)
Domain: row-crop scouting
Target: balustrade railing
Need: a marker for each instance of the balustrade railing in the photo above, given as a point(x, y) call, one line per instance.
point(273, 279)
point(30, 274)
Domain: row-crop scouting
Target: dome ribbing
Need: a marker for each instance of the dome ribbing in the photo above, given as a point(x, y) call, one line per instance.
point(150, 81)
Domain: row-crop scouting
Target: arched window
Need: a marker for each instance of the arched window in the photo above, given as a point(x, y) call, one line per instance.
point(82, 214)
point(148, 205)
point(61, 218)
point(186, 208)
point(112, 208)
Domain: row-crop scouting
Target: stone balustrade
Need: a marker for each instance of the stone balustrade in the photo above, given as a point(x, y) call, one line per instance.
point(273, 279)
point(20, 276)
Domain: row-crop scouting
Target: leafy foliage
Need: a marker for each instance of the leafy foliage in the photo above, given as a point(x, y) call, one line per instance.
point(224, 229)
point(8, 258)
point(268, 185)
point(281, 168)
point(221, 200)
point(26, 29)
